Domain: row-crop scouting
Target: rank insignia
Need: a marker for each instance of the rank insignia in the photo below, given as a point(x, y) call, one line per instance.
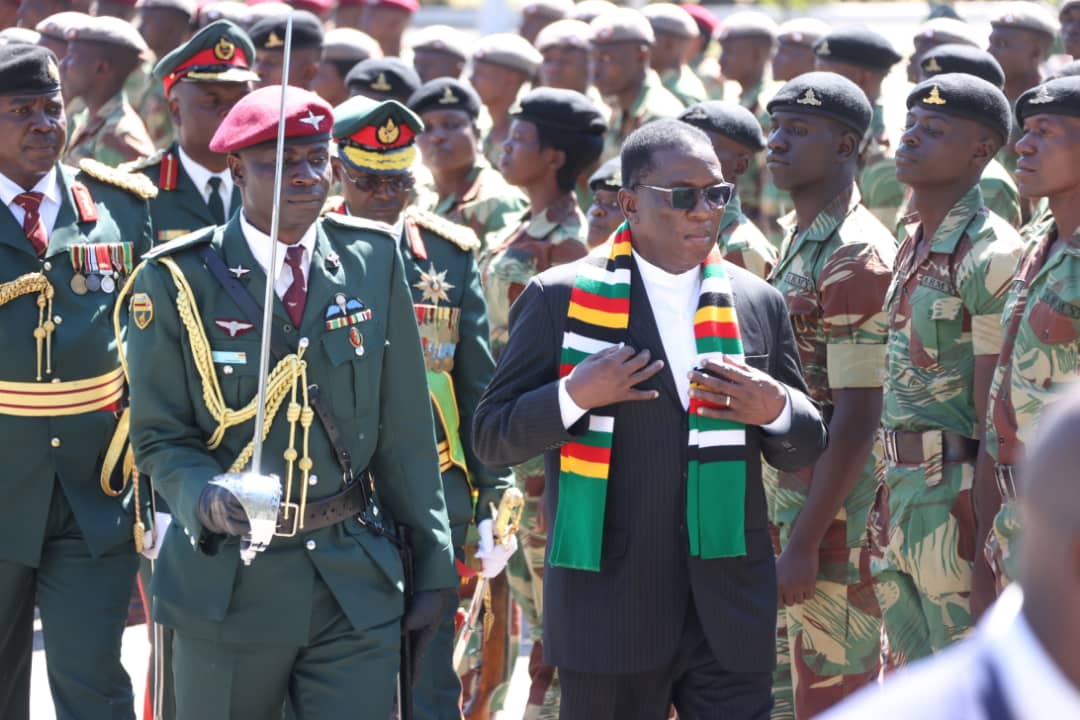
point(239, 271)
point(345, 312)
point(433, 285)
point(142, 310)
point(234, 328)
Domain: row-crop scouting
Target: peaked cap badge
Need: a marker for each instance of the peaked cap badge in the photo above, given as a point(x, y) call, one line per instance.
point(389, 133)
point(224, 50)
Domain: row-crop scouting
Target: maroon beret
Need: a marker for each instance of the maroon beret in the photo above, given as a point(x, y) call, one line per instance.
point(703, 17)
point(410, 5)
point(254, 119)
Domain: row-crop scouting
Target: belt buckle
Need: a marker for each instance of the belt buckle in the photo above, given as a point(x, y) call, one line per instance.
point(295, 515)
point(888, 445)
point(1005, 481)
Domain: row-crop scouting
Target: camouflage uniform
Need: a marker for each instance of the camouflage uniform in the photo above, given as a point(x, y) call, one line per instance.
point(742, 244)
point(882, 193)
point(834, 275)
point(653, 102)
point(1040, 354)
point(153, 108)
point(707, 69)
point(487, 207)
point(553, 237)
point(684, 85)
point(113, 136)
point(999, 193)
point(944, 307)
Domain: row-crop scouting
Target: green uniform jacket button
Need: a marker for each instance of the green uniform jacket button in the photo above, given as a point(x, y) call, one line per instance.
point(55, 442)
point(310, 544)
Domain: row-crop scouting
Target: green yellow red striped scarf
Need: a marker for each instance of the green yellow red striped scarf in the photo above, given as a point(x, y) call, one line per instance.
point(597, 318)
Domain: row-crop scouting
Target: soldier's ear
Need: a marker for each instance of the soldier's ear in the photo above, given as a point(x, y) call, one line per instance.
point(848, 146)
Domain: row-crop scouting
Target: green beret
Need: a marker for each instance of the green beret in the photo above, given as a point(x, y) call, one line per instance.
point(385, 78)
point(559, 109)
point(445, 94)
point(748, 23)
point(376, 136)
point(564, 33)
point(508, 50)
point(586, 10)
point(441, 38)
point(802, 31)
point(552, 9)
point(346, 44)
point(608, 176)
point(185, 7)
point(1060, 96)
point(28, 70)
point(950, 30)
point(671, 19)
point(220, 52)
point(859, 46)
point(964, 96)
point(57, 25)
point(269, 33)
point(621, 25)
point(728, 119)
point(1026, 16)
point(954, 58)
point(108, 30)
point(827, 94)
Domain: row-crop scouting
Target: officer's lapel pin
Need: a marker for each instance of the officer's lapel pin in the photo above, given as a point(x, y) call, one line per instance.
point(239, 271)
point(333, 262)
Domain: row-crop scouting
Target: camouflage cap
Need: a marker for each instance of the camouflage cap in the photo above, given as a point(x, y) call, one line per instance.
point(269, 33)
point(220, 52)
point(964, 96)
point(26, 36)
point(1060, 96)
point(564, 33)
point(827, 94)
point(554, 9)
point(349, 44)
point(376, 136)
point(186, 7)
point(802, 31)
point(57, 25)
point(747, 23)
point(859, 46)
point(445, 94)
point(954, 58)
point(109, 30)
point(28, 70)
point(670, 19)
point(1026, 16)
point(388, 77)
point(729, 119)
point(508, 50)
point(608, 176)
point(950, 30)
point(621, 25)
point(441, 38)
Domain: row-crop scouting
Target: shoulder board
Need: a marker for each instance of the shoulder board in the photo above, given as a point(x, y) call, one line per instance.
point(348, 221)
point(135, 183)
point(192, 239)
point(333, 204)
point(460, 235)
point(142, 163)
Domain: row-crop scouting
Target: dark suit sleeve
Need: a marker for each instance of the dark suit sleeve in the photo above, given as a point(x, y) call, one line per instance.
point(804, 442)
point(518, 417)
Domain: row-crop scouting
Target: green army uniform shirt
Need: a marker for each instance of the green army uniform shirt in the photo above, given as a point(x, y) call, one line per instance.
point(486, 207)
point(1000, 196)
point(153, 108)
point(684, 85)
point(103, 212)
point(114, 135)
point(883, 194)
point(653, 102)
point(363, 351)
point(742, 244)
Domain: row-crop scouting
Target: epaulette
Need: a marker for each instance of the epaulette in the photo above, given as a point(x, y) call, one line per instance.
point(142, 163)
point(333, 204)
point(198, 237)
point(134, 183)
point(460, 235)
point(349, 221)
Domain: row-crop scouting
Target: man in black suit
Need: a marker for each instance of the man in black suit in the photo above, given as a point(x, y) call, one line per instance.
point(656, 624)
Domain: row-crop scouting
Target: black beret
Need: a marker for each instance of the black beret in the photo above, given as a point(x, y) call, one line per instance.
point(827, 94)
point(1068, 69)
point(1060, 96)
point(956, 58)
point(383, 78)
point(964, 96)
point(558, 109)
point(269, 33)
point(728, 119)
point(858, 46)
point(28, 70)
point(608, 176)
point(445, 94)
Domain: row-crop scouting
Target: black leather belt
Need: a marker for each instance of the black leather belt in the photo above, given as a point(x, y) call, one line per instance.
point(905, 447)
point(324, 512)
point(1006, 481)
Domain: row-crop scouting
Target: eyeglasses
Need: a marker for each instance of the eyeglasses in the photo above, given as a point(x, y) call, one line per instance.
point(394, 183)
point(715, 196)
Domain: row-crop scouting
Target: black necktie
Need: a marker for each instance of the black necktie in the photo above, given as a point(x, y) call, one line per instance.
point(215, 203)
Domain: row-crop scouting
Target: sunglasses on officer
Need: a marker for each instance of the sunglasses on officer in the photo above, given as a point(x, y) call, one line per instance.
point(686, 198)
point(369, 183)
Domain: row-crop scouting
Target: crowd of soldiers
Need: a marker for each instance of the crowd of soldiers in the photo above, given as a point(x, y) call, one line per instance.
point(932, 281)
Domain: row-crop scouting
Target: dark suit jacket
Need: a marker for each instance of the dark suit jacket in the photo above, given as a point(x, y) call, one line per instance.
point(629, 616)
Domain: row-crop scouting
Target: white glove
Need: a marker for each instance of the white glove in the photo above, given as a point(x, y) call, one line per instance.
point(492, 556)
point(152, 541)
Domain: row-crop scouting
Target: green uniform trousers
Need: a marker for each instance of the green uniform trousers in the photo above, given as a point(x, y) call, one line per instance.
point(340, 672)
point(84, 603)
point(437, 687)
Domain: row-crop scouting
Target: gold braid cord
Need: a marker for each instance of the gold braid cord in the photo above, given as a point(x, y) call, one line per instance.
point(24, 285)
point(288, 379)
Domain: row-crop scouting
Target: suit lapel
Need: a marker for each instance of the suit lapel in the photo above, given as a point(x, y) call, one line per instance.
point(238, 255)
point(643, 333)
point(65, 232)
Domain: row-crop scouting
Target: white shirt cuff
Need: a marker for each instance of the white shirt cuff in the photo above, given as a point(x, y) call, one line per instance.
point(782, 423)
point(569, 409)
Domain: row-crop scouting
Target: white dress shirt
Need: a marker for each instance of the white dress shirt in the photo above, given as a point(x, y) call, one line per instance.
point(50, 204)
point(259, 243)
point(200, 176)
point(674, 300)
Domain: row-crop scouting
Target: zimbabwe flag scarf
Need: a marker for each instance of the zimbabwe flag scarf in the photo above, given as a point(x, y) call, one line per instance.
point(597, 318)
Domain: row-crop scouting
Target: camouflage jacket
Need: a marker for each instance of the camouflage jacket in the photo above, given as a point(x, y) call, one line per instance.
point(882, 193)
point(1041, 349)
point(153, 108)
point(742, 243)
point(999, 195)
point(487, 206)
point(944, 308)
point(834, 275)
point(653, 102)
point(114, 135)
point(684, 85)
point(707, 69)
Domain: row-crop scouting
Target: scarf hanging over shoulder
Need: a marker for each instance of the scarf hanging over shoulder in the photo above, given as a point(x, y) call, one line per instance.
point(597, 318)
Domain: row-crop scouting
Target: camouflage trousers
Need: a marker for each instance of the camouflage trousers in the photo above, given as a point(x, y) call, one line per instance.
point(923, 524)
point(1002, 544)
point(525, 571)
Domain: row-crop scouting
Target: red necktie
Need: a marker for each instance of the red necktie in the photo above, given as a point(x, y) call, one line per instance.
point(32, 225)
point(295, 297)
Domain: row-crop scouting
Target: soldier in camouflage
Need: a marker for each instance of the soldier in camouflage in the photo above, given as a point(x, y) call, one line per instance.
point(944, 309)
point(702, 53)
point(165, 25)
point(674, 30)
point(833, 272)
point(554, 136)
point(502, 65)
point(1041, 321)
point(464, 188)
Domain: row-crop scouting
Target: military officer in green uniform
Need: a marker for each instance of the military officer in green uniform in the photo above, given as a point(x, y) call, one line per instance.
point(622, 42)
point(464, 187)
point(944, 308)
point(315, 620)
point(674, 30)
point(70, 239)
point(1040, 353)
point(375, 154)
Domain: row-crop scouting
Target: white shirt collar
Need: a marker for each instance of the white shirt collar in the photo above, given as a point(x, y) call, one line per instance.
point(47, 186)
point(259, 243)
point(200, 177)
point(686, 282)
point(1023, 664)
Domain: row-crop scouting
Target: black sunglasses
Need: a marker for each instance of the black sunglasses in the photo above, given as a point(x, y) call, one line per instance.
point(715, 196)
point(394, 183)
